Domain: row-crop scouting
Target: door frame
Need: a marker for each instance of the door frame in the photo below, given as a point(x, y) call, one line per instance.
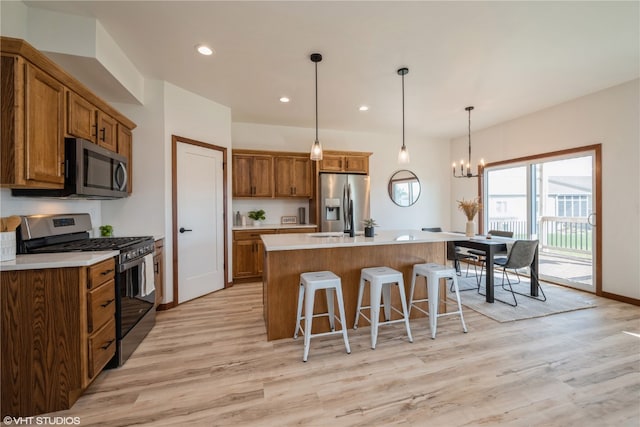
point(597, 201)
point(175, 139)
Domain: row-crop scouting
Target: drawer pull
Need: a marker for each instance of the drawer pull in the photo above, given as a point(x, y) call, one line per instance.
point(104, 273)
point(107, 303)
point(106, 346)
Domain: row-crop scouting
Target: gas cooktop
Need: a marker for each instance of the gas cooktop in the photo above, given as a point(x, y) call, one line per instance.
point(93, 244)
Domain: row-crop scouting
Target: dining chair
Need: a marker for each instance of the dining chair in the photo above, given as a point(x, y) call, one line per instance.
point(482, 256)
point(521, 255)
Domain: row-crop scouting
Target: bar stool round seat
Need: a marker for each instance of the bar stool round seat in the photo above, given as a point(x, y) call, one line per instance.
point(432, 273)
point(381, 279)
point(311, 282)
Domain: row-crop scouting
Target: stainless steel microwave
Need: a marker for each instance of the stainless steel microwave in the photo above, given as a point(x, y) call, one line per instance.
point(90, 172)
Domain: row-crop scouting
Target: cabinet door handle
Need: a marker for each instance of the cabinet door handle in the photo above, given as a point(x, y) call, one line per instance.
point(156, 267)
point(104, 133)
point(104, 273)
point(106, 346)
point(107, 303)
point(347, 162)
point(94, 130)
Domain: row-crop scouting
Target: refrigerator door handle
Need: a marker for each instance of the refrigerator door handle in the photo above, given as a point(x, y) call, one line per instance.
point(345, 203)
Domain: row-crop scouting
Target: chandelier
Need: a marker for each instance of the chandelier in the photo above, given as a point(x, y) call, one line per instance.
point(468, 173)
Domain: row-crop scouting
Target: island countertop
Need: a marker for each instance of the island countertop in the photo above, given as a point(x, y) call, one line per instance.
point(287, 242)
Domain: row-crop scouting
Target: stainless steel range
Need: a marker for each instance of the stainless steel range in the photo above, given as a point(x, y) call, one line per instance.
point(135, 313)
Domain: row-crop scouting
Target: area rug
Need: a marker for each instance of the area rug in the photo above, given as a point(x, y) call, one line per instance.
point(559, 300)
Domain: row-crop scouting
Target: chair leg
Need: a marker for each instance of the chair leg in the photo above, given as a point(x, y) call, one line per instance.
point(454, 279)
point(360, 293)
point(405, 312)
point(386, 299)
point(433, 285)
point(544, 297)
point(308, 318)
point(342, 319)
point(515, 301)
point(299, 314)
point(330, 308)
point(413, 286)
point(375, 291)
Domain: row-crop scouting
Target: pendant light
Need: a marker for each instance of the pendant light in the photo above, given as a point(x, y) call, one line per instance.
point(462, 173)
point(403, 155)
point(316, 148)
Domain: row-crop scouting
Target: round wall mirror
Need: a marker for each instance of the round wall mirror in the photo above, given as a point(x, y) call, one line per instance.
point(404, 188)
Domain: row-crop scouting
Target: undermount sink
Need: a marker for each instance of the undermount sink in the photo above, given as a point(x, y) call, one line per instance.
point(333, 234)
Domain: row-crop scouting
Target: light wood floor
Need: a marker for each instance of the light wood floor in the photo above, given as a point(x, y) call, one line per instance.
point(207, 362)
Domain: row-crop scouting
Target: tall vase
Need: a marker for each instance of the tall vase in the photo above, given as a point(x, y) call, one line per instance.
point(471, 229)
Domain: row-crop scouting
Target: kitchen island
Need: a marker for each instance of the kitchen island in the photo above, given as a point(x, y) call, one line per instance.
point(288, 255)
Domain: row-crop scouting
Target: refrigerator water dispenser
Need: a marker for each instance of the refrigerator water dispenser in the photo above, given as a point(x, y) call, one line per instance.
point(332, 209)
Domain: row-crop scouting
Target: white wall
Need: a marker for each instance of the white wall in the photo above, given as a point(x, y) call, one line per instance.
point(13, 19)
point(429, 161)
point(143, 213)
point(610, 117)
point(191, 116)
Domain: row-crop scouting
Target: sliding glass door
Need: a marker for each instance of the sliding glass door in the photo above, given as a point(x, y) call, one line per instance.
point(550, 199)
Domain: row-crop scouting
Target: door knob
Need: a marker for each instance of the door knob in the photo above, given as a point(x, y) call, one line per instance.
point(182, 229)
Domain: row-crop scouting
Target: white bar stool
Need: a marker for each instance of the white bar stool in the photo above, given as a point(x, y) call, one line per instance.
point(432, 273)
point(309, 283)
point(381, 279)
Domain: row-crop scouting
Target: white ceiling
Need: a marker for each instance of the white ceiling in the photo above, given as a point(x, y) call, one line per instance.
point(507, 59)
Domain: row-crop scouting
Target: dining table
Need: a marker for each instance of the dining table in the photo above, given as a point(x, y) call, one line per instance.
point(491, 247)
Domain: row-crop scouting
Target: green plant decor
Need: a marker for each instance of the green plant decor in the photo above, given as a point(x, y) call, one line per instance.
point(106, 231)
point(257, 215)
point(370, 222)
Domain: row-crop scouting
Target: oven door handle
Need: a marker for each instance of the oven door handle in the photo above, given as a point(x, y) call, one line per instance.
point(130, 264)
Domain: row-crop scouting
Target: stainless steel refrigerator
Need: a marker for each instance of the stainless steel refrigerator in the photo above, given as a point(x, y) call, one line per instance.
point(344, 200)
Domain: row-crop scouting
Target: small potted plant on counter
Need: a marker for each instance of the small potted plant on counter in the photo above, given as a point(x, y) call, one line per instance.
point(369, 225)
point(257, 216)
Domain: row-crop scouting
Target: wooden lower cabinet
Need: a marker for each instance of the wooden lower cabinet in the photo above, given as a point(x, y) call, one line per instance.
point(248, 251)
point(57, 334)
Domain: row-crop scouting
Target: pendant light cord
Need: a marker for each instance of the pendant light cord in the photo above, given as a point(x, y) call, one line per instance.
point(316, 102)
point(470, 135)
point(403, 146)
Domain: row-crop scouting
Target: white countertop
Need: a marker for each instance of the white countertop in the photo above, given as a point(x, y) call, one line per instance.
point(58, 260)
point(287, 242)
point(271, 226)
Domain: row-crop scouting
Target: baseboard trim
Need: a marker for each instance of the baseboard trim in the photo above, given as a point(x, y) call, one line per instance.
point(621, 298)
point(163, 307)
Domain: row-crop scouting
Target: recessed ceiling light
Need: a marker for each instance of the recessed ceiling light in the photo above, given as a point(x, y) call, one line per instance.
point(363, 108)
point(204, 50)
point(284, 99)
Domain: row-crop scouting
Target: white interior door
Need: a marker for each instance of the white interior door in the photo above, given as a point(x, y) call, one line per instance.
point(200, 220)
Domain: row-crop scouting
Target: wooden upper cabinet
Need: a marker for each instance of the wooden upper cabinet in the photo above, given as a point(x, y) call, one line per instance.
point(356, 164)
point(124, 140)
point(292, 176)
point(85, 120)
point(345, 162)
point(107, 131)
point(32, 126)
point(81, 117)
point(44, 149)
point(41, 104)
point(252, 175)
